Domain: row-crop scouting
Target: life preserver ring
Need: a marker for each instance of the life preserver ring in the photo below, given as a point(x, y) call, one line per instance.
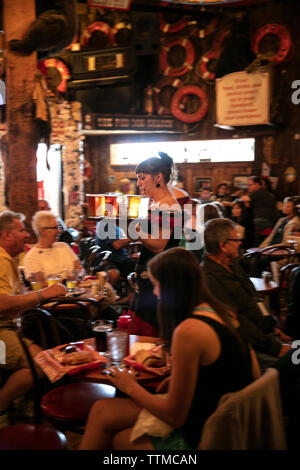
point(75, 39)
point(219, 39)
point(189, 59)
point(175, 83)
point(171, 27)
point(182, 93)
point(118, 27)
point(60, 66)
point(209, 29)
point(201, 68)
point(97, 26)
point(285, 41)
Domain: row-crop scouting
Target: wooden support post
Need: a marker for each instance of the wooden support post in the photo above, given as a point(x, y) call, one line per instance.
point(21, 181)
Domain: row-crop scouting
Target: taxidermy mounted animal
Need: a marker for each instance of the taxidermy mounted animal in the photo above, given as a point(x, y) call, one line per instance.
point(53, 29)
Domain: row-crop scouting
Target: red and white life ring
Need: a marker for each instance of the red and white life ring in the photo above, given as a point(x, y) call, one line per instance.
point(209, 29)
point(181, 94)
point(285, 41)
point(118, 27)
point(172, 27)
point(219, 39)
point(201, 68)
point(166, 68)
point(202, 65)
point(74, 41)
point(97, 26)
point(60, 66)
point(175, 83)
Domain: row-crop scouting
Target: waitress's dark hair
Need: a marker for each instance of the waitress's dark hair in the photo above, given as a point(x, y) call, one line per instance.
point(182, 288)
point(154, 165)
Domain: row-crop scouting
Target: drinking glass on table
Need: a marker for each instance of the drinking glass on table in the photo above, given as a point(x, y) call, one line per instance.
point(100, 330)
point(102, 278)
point(53, 279)
point(71, 281)
point(117, 342)
point(36, 280)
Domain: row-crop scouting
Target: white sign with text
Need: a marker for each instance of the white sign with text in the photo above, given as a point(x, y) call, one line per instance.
point(243, 99)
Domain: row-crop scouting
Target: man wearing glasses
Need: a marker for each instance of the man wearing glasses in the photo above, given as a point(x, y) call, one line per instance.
point(229, 283)
point(49, 256)
point(12, 300)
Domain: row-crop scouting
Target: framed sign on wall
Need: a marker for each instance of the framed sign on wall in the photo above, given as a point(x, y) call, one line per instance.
point(240, 181)
point(201, 183)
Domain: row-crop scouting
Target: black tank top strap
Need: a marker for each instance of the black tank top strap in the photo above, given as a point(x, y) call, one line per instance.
point(210, 321)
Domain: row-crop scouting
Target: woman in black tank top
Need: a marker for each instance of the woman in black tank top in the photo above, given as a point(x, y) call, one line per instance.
point(209, 358)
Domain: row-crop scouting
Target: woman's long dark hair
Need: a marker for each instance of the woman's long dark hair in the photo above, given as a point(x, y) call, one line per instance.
point(241, 204)
point(182, 288)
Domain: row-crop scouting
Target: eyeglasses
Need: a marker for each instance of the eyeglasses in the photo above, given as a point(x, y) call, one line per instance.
point(53, 228)
point(234, 240)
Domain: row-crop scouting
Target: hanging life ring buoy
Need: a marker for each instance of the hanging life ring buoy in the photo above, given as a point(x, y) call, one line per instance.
point(171, 27)
point(181, 94)
point(209, 29)
point(117, 28)
point(166, 68)
point(174, 83)
point(219, 39)
point(63, 70)
point(97, 26)
point(201, 68)
point(285, 41)
point(74, 41)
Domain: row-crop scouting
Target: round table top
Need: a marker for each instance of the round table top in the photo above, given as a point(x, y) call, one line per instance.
point(263, 287)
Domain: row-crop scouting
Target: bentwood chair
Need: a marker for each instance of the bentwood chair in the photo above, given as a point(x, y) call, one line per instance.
point(31, 437)
point(68, 406)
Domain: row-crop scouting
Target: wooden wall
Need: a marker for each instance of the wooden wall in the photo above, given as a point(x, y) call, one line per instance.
point(97, 149)
point(279, 147)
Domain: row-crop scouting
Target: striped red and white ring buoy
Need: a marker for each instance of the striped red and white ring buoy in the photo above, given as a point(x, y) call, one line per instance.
point(61, 67)
point(97, 26)
point(201, 68)
point(175, 83)
point(166, 68)
point(209, 29)
point(118, 27)
point(181, 94)
point(219, 39)
point(285, 41)
point(202, 65)
point(171, 27)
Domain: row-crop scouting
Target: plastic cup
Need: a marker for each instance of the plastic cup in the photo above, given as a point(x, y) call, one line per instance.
point(52, 279)
point(36, 285)
point(117, 346)
point(100, 330)
point(71, 285)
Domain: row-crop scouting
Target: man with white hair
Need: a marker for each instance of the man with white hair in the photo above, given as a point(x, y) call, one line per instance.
point(49, 256)
point(12, 242)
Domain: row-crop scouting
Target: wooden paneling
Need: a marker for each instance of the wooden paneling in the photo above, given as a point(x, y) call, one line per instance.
point(97, 148)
